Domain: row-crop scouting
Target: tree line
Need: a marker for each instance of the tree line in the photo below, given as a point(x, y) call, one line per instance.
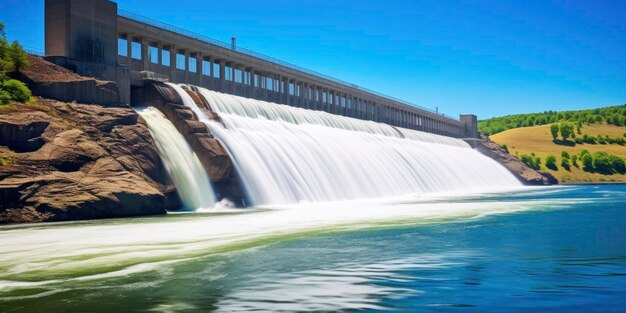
point(615, 115)
point(597, 162)
point(13, 58)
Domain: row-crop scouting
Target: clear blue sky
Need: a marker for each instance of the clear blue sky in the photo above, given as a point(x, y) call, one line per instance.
point(486, 57)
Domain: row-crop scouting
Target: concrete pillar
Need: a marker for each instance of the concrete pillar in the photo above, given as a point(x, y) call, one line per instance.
point(222, 84)
point(173, 53)
point(186, 66)
point(199, 68)
point(129, 45)
point(159, 47)
point(145, 61)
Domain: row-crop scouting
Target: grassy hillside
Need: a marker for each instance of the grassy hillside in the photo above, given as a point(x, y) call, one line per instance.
point(539, 140)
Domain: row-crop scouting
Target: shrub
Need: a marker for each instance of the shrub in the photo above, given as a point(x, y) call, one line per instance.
point(16, 90)
point(5, 97)
point(618, 164)
point(602, 162)
point(554, 129)
point(587, 161)
point(601, 140)
point(551, 162)
point(564, 154)
point(565, 164)
point(532, 161)
point(505, 148)
point(527, 159)
point(575, 160)
point(579, 140)
point(537, 163)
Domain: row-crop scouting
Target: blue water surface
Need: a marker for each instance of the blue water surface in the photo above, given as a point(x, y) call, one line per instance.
point(565, 258)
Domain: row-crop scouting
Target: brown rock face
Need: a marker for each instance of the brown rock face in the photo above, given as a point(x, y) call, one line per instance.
point(525, 174)
point(210, 151)
point(94, 162)
point(213, 156)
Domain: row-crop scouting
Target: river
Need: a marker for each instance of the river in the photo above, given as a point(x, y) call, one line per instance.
point(541, 249)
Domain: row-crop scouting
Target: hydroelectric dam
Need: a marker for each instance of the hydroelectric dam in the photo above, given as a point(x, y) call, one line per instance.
point(96, 39)
point(232, 124)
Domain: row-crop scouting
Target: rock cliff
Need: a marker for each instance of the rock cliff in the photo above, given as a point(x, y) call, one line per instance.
point(68, 161)
point(525, 174)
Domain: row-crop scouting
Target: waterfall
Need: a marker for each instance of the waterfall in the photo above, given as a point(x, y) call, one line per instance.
point(288, 155)
point(181, 163)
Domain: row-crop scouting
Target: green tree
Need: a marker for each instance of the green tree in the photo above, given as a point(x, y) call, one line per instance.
point(551, 162)
point(618, 164)
point(565, 155)
point(554, 129)
point(565, 164)
point(587, 161)
point(602, 162)
point(17, 57)
point(575, 160)
point(567, 130)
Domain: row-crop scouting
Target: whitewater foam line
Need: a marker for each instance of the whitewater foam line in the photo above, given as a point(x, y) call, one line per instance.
point(71, 251)
point(181, 163)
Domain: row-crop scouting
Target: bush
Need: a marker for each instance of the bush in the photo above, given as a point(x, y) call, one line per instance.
point(564, 154)
point(587, 161)
point(5, 97)
point(554, 129)
point(618, 164)
point(532, 161)
point(551, 162)
point(575, 160)
point(16, 90)
point(578, 140)
point(565, 164)
point(505, 148)
point(602, 162)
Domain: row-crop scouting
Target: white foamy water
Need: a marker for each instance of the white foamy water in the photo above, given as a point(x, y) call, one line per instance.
point(288, 155)
point(68, 253)
point(181, 163)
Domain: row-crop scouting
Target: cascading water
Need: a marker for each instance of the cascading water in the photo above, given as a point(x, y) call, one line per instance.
point(181, 163)
point(288, 155)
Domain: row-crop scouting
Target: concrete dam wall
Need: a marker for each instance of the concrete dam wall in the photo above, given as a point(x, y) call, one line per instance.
point(96, 39)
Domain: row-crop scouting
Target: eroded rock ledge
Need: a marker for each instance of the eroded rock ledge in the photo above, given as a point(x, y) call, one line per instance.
point(525, 174)
point(77, 161)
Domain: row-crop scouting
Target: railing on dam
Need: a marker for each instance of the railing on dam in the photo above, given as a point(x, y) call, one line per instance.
point(223, 44)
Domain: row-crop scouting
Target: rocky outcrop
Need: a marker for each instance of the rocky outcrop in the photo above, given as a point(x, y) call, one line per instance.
point(212, 154)
point(76, 161)
point(524, 173)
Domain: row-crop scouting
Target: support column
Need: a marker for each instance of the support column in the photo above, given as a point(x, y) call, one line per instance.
point(145, 62)
point(173, 53)
point(129, 46)
point(159, 47)
point(199, 69)
point(222, 84)
point(186, 66)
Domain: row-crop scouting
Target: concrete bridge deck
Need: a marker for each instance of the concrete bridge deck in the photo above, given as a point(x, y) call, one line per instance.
point(98, 40)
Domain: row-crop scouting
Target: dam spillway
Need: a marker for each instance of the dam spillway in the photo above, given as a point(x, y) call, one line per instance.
point(287, 155)
point(181, 163)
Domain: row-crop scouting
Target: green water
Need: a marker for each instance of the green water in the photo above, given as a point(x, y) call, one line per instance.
point(546, 249)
